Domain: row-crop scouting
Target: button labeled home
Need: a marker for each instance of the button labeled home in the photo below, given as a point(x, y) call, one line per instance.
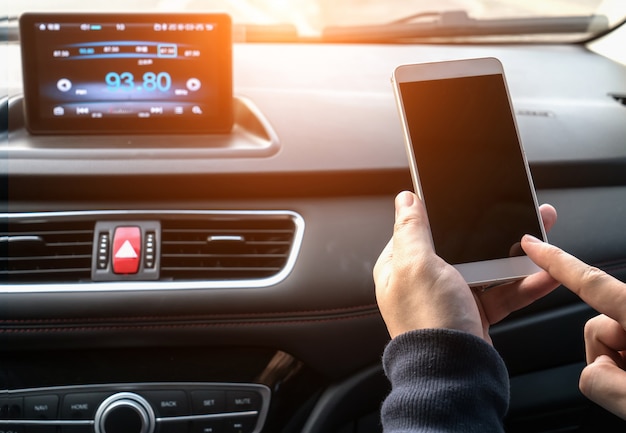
point(126, 250)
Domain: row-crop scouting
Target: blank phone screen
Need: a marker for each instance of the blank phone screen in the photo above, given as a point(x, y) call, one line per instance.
point(471, 169)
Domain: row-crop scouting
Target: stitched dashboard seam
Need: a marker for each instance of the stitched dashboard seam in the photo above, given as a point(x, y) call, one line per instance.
point(178, 318)
point(147, 327)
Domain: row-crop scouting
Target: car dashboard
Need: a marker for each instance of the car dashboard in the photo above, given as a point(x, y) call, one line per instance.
point(254, 308)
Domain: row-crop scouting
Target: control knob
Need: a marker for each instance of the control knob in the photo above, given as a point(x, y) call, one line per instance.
point(124, 412)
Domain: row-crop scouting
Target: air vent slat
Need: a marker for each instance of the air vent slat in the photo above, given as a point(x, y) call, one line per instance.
point(69, 271)
point(226, 256)
point(218, 269)
point(239, 230)
point(248, 248)
point(46, 251)
point(77, 242)
point(72, 233)
point(44, 259)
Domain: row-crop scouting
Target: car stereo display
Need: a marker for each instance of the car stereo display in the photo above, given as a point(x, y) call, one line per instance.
point(127, 73)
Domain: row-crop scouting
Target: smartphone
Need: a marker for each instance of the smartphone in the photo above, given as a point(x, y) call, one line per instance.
point(468, 166)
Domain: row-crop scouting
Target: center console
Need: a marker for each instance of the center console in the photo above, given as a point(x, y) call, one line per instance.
point(136, 408)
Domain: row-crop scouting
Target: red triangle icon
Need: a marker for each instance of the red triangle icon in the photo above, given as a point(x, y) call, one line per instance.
point(126, 251)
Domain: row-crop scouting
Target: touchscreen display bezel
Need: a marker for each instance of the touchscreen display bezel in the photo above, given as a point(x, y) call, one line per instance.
point(215, 48)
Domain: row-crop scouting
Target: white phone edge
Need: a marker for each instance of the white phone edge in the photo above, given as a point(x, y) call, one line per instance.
point(489, 272)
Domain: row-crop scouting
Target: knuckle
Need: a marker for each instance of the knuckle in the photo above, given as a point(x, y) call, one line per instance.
point(596, 381)
point(587, 379)
point(405, 222)
point(592, 326)
point(592, 277)
point(590, 378)
point(553, 255)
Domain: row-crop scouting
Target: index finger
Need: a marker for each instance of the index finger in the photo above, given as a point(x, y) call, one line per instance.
point(594, 286)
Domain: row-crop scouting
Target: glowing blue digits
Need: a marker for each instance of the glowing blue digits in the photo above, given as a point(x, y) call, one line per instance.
point(126, 81)
point(161, 81)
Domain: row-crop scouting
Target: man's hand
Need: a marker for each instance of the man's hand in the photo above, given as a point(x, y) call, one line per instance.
point(604, 378)
point(416, 289)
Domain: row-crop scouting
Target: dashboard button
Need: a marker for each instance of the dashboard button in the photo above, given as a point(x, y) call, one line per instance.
point(241, 401)
point(208, 402)
point(11, 408)
point(173, 427)
point(77, 429)
point(242, 425)
point(126, 250)
point(208, 426)
point(168, 403)
point(8, 428)
point(81, 406)
point(193, 84)
point(41, 407)
point(64, 85)
point(40, 429)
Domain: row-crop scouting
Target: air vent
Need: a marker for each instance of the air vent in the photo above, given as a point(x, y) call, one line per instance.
point(237, 247)
point(50, 251)
point(44, 252)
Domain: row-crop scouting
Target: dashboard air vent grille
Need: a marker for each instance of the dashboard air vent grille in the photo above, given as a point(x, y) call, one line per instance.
point(226, 248)
point(45, 251)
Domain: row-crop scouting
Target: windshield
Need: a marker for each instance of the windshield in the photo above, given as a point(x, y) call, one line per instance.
point(310, 18)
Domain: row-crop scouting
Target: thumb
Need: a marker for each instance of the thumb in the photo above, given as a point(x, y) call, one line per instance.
point(411, 231)
point(604, 382)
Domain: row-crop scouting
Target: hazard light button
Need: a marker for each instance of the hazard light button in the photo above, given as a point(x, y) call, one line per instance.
point(126, 250)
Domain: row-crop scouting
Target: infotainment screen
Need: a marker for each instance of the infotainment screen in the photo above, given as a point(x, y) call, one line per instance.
point(127, 73)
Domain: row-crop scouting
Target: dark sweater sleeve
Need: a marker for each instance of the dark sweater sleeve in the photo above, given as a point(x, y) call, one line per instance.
point(444, 381)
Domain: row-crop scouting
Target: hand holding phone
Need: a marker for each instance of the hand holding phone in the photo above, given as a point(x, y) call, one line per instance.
point(468, 166)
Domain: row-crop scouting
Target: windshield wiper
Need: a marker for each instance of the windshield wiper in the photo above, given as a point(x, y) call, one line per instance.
point(460, 24)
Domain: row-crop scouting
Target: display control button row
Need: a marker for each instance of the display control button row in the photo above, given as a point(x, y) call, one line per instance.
point(137, 408)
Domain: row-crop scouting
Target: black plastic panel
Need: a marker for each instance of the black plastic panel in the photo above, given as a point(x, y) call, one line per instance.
point(140, 407)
